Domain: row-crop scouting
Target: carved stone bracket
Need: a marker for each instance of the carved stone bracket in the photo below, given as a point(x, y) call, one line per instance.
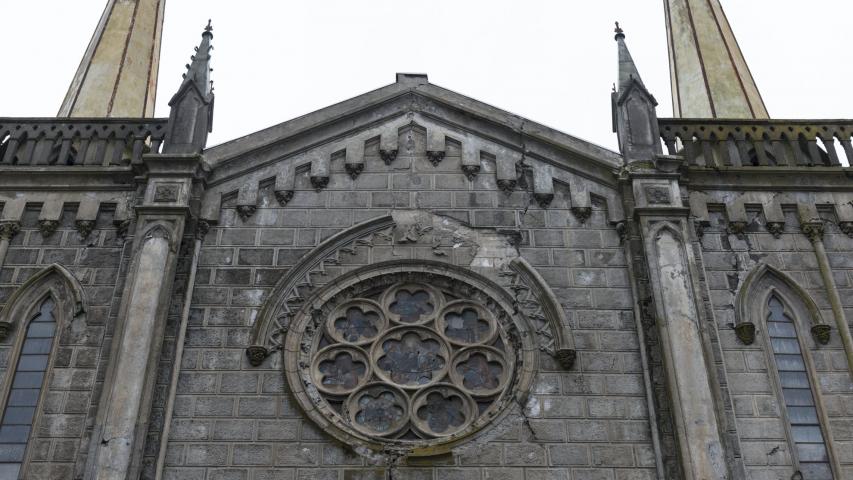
point(201, 229)
point(813, 230)
point(9, 229)
point(257, 354)
point(388, 156)
point(846, 228)
point(354, 169)
point(543, 199)
point(775, 228)
point(507, 185)
point(319, 182)
point(745, 332)
point(470, 171)
point(85, 227)
point(737, 228)
point(435, 157)
point(622, 230)
point(582, 213)
point(821, 333)
point(283, 196)
point(246, 211)
point(48, 227)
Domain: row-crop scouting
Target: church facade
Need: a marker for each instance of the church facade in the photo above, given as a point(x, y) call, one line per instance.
point(412, 284)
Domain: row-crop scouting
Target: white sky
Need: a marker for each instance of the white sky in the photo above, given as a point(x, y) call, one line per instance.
point(551, 61)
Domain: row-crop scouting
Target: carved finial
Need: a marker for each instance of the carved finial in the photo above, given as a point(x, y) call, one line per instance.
point(620, 34)
point(209, 27)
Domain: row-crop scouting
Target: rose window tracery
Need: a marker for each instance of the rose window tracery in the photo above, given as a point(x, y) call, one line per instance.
point(412, 364)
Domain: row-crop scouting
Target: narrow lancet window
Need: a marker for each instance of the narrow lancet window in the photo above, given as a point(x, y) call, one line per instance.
point(20, 410)
point(797, 392)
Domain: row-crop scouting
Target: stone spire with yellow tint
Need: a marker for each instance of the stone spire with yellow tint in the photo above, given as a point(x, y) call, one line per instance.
point(710, 77)
point(118, 74)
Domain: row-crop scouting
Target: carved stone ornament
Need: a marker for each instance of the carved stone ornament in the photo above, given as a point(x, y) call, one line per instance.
point(543, 199)
point(354, 169)
point(745, 332)
point(48, 227)
point(257, 354)
point(411, 361)
point(821, 333)
point(388, 156)
point(5, 329)
point(470, 171)
point(775, 228)
point(435, 157)
point(737, 228)
point(658, 194)
point(507, 185)
point(85, 227)
point(567, 358)
point(319, 182)
point(283, 196)
point(622, 230)
point(813, 230)
point(582, 213)
point(246, 211)
point(9, 229)
point(167, 193)
point(201, 229)
point(846, 228)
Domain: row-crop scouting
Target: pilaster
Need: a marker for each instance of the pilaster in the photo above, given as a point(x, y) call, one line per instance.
point(126, 401)
point(674, 287)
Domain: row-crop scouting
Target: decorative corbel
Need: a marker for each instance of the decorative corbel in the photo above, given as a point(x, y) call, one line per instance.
point(745, 332)
point(48, 227)
point(507, 185)
point(319, 182)
point(846, 228)
point(388, 156)
point(85, 227)
point(737, 228)
point(283, 196)
point(246, 211)
point(582, 213)
point(470, 171)
point(820, 333)
point(257, 354)
point(813, 230)
point(9, 229)
point(775, 228)
point(435, 156)
point(354, 169)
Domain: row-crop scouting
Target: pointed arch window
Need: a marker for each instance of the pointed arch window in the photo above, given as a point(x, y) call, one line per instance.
point(27, 381)
point(798, 396)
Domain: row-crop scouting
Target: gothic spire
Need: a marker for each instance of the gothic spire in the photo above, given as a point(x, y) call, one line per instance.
point(710, 77)
point(118, 74)
point(191, 114)
point(627, 69)
point(634, 117)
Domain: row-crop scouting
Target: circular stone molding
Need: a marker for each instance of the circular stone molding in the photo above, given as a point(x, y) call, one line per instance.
point(411, 360)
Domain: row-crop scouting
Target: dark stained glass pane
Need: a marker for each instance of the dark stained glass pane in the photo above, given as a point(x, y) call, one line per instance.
point(24, 397)
point(794, 380)
point(781, 330)
point(12, 452)
point(41, 330)
point(802, 415)
point(816, 471)
point(37, 345)
point(812, 452)
point(798, 397)
point(19, 415)
point(9, 470)
point(790, 363)
point(32, 363)
point(14, 433)
point(410, 306)
point(807, 434)
point(785, 345)
point(28, 380)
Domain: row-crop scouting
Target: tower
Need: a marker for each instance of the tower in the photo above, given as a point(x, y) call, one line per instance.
point(118, 74)
point(709, 75)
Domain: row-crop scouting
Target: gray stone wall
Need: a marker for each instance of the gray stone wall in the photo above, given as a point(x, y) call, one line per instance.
point(236, 421)
point(62, 427)
point(728, 259)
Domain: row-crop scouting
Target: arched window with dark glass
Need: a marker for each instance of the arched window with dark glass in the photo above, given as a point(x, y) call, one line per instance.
point(26, 387)
point(797, 392)
point(771, 302)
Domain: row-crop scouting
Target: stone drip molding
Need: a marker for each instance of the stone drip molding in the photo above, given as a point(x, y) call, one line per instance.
point(52, 205)
point(514, 169)
point(532, 297)
point(771, 203)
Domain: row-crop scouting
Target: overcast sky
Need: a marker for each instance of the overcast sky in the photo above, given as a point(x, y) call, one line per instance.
point(551, 61)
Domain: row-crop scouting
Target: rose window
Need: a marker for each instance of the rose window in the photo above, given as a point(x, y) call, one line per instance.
point(397, 363)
